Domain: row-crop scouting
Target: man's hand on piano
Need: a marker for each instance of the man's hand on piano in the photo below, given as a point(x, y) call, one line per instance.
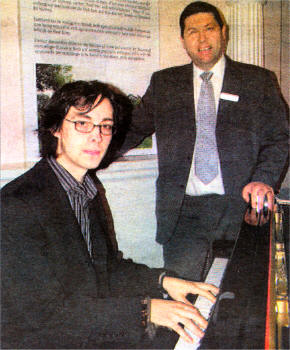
point(174, 314)
point(180, 312)
point(178, 289)
point(253, 218)
point(257, 193)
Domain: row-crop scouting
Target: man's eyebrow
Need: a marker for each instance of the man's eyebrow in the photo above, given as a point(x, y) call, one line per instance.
point(77, 115)
point(205, 25)
point(107, 120)
point(213, 23)
point(80, 114)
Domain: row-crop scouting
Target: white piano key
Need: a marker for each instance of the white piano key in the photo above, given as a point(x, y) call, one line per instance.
point(214, 276)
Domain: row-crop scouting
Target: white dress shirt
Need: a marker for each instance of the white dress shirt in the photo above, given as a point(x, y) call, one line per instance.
point(195, 187)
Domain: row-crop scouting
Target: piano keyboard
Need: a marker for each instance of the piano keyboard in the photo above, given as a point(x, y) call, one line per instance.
point(214, 276)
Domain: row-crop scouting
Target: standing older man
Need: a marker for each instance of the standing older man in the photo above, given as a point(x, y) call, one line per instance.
point(63, 284)
point(222, 139)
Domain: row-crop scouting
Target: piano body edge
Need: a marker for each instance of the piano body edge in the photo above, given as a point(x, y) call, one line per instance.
point(257, 317)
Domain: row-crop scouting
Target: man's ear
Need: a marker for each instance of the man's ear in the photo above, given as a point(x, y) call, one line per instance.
point(55, 133)
point(182, 42)
point(225, 33)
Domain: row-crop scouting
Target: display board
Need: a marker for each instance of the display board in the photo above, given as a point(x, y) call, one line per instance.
point(64, 40)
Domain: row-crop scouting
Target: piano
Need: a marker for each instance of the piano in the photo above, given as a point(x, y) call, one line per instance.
point(252, 307)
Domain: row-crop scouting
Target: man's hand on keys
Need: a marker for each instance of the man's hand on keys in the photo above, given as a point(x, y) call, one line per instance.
point(179, 313)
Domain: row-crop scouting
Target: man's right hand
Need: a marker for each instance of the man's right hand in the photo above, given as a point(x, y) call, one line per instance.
point(172, 314)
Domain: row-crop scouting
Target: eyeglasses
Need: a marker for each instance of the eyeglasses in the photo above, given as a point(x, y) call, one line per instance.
point(87, 127)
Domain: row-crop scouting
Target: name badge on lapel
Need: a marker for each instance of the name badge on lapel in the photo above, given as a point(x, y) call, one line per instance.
point(229, 97)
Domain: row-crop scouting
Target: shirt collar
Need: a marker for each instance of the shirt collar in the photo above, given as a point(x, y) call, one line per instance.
point(69, 183)
point(218, 69)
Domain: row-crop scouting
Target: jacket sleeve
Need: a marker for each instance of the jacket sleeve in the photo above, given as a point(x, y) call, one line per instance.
point(142, 123)
point(129, 278)
point(39, 310)
point(274, 133)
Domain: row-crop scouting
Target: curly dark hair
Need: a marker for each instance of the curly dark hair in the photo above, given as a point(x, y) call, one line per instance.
point(80, 94)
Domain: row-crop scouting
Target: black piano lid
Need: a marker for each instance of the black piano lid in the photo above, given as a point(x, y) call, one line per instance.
point(238, 320)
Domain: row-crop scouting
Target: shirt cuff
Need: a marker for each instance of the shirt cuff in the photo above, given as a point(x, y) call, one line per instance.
point(150, 328)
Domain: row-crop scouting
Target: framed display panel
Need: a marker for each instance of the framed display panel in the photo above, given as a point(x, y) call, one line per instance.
point(111, 41)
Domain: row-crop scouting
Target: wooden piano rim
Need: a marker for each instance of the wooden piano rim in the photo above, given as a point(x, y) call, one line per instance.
point(273, 323)
point(270, 328)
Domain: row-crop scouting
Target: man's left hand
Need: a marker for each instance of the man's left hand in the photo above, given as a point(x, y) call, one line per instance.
point(258, 191)
point(178, 289)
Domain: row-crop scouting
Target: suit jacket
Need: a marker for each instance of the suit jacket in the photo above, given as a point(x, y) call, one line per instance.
point(251, 134)
point(53, 295)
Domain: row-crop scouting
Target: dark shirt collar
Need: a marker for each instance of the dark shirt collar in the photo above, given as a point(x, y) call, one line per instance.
point(69, 183)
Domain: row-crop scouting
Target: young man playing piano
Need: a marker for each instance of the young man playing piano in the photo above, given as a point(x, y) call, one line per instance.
point(63, 283)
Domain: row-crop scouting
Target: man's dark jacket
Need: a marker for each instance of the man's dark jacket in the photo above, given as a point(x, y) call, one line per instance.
point(52, 295)
point(252, 135)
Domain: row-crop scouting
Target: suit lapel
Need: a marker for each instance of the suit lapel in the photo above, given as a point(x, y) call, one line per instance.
point(184, 85)
point(227, 112)
point(232, 85)
point(57, 218)
point(184, 140)
point(182, 103)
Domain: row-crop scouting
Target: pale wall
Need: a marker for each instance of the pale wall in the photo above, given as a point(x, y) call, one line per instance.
point(12, 128)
